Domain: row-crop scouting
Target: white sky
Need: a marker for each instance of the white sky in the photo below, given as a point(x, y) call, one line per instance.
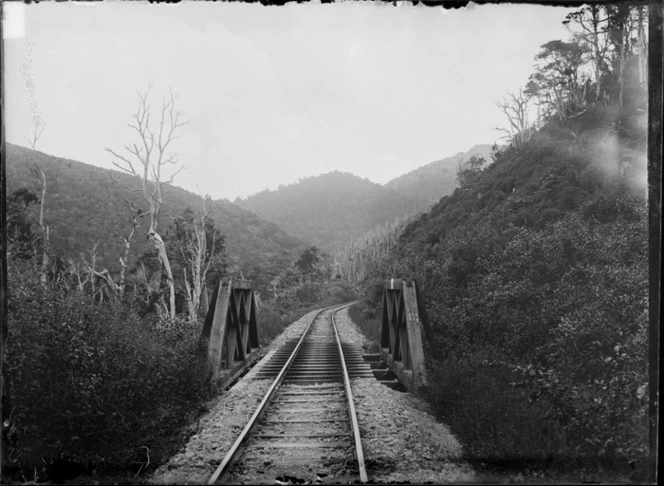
point(273, 94)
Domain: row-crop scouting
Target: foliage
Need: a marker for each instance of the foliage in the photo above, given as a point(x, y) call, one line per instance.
point(85, 206)
point(309, 262)
point(556, 80)
point(535, 281)
point(605, 60)
point(275, 315)
point(329, 209)
point(92, 383)
point(427, 184)
point(467, 171)
point(364, 255)
point(369, 322)
point(197, 252)
point(20, 237)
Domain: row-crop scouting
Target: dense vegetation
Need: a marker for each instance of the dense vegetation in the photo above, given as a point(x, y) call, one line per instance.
point(329, 209)
point(427, 184)
point(535, 280)
point(534, 274)
point(103, 383)
point(94, 387)
point(105, 377)
point(85, 206)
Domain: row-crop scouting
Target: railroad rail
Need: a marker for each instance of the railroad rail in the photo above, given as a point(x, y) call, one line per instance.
point(305, 426)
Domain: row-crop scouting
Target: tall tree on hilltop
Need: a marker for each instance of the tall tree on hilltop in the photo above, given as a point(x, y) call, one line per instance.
point(619, 29)
point(642, 43)
point(592, 20)
point(515, 108)
point(146, 160)
point(612, 35)
point(557, 75)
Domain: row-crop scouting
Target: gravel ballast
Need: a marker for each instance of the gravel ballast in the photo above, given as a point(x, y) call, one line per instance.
point(402, 442)
point(219, 428)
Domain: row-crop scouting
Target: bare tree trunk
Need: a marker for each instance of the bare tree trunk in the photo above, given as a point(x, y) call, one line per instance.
point(125, 259)
point(621, 75)
point(45, 231)
point(197, 260)
point(153, 156)
point(643, 51)
point(191, 308)
point(205, 299)
point(160, 247)
point(598, 53)
point(162, 310)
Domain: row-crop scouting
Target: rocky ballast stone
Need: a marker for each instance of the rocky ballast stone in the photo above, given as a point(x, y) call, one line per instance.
point(402, 441)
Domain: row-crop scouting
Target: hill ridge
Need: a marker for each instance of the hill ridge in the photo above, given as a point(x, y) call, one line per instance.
point(74, 188)
point(330, 208)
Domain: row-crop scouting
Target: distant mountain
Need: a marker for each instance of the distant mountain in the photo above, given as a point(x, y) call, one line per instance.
point(83, 206)
point(329, 209)
point(427, 184)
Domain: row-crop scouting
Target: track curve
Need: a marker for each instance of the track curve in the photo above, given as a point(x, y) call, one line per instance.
point(305, 428)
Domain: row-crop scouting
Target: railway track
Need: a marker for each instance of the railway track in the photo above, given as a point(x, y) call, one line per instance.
point(305, 428)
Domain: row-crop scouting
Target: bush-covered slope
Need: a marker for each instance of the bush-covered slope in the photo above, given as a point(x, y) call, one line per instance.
point(84, 205)
point(427, 184)
point(535, 280)
point(329, 209)
point(563, 166)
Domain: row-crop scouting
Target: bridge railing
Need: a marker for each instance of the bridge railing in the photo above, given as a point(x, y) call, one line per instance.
point(401, 336)
point(230, 326)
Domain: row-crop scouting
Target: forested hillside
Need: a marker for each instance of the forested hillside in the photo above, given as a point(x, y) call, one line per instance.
point(534, 276)
point(427, 184)
point(534, 273)
point(106, 348)
point(84, 206)
point(329, 209)
point(332, 209)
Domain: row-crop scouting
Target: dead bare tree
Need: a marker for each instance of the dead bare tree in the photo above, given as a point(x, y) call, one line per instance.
point(74, 271)
point(37, 123)
point(146, 160)
point(39, 175)
point(515, 108)
point(199, 243)
point(133, 221)
point(107, 285)
point(36, 129)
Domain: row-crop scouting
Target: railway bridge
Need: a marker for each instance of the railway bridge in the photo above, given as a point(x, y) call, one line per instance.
point(314, 407)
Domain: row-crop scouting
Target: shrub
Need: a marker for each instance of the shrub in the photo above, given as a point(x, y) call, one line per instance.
point(539, 336)
point(94, 383)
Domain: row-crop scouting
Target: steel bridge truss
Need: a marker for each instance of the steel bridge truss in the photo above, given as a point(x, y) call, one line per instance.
point(401, 336)
point(230, 326)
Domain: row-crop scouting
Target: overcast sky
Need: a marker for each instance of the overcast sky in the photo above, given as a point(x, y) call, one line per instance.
point(273, 94)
